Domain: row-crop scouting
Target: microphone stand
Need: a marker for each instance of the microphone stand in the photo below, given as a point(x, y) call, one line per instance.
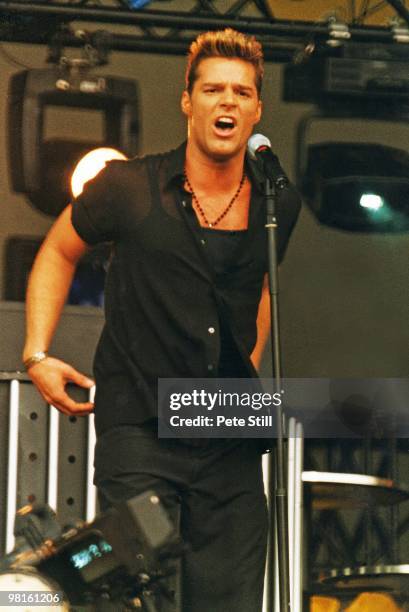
point(277, 491)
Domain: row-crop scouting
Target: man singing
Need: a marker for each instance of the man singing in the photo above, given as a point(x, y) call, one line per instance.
point(185, 297)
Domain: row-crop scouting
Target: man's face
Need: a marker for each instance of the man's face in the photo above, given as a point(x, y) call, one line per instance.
point(222, 108)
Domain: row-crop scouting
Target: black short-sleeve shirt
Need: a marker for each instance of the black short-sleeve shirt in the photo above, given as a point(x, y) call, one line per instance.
point(164, 305)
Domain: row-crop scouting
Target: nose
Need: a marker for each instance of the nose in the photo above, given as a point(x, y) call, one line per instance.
point(228, 97)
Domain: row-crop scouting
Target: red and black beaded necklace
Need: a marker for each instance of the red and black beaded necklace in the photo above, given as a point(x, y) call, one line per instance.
point(226, 210)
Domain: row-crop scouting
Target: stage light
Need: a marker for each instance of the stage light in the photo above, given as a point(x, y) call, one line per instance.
point(89, 166)
point(41, 166)
point(351, 185)
point(357, 186)
point(371, 201)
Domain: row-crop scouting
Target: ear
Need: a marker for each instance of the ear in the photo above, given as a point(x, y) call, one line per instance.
point(185, 103)
point(259, 112)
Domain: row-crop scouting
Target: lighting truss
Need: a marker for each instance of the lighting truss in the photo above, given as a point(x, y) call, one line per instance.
point(171, 31)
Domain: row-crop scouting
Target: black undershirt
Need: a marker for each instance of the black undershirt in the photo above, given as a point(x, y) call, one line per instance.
point(222, 246)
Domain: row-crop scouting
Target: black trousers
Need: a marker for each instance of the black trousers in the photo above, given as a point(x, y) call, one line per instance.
point(216, 488)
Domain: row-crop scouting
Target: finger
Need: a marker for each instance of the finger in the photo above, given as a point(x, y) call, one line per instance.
point(70, 412)
point(67, 405)
point(78, 378)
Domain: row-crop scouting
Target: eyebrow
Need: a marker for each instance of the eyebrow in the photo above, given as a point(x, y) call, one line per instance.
point(221, 83)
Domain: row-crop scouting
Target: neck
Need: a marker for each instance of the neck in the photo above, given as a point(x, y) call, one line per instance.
point(204, 171)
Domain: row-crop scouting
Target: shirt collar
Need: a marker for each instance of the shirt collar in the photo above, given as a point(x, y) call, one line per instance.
point(176, 168)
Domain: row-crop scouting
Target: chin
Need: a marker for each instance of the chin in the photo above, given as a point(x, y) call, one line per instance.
point(224, 152)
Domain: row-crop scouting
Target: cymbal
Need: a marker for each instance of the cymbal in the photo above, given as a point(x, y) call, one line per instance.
point(392, 578)
point(334, 490)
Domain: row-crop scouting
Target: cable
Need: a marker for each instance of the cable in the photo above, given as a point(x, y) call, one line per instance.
point(11, 60)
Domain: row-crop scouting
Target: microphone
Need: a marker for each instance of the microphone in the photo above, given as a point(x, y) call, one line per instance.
point(259, 148)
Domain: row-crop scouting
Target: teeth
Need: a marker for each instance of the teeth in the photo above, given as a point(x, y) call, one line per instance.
point(225, 122)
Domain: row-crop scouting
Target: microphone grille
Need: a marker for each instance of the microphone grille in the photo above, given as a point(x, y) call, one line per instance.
point(255, 142)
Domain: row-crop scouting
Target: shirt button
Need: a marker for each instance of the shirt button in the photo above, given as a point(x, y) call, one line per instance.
point(210, 367)
point(203, 241)
point(211, 330)
point(184, 204)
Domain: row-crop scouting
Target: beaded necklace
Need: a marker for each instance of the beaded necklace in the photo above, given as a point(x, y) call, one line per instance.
point(226, 210)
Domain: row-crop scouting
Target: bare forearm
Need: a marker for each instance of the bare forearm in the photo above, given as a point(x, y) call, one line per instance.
point(263, 326)
point(48, 286)
point(262, 338)
point(49, 282)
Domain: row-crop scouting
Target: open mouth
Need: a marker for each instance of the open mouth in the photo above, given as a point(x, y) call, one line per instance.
point(225, 124)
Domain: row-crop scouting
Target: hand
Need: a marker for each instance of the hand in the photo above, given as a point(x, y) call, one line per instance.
point(51, 376)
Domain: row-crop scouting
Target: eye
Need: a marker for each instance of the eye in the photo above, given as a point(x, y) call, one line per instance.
point(244, 93)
